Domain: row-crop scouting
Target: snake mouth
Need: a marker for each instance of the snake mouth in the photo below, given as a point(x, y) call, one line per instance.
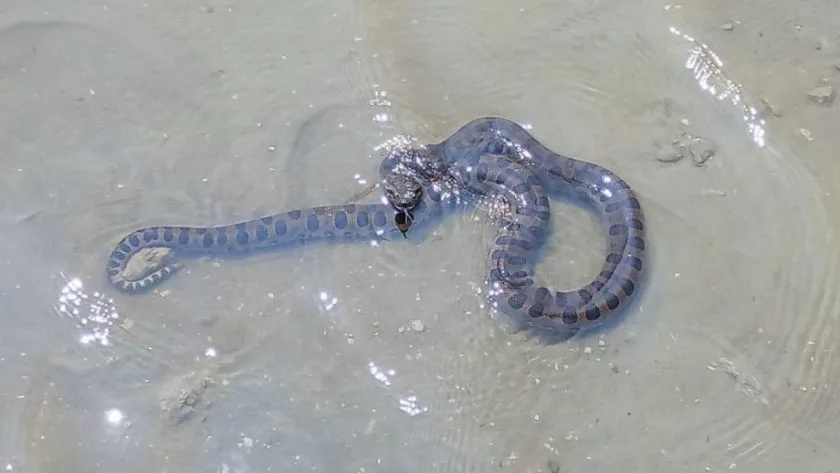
point(403, 220)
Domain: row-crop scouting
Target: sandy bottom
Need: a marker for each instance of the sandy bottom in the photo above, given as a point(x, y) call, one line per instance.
point(362, 358)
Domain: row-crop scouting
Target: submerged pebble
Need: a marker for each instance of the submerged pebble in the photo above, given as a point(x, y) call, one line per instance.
point(823, 95)
point(418, 325)
point(697, 148)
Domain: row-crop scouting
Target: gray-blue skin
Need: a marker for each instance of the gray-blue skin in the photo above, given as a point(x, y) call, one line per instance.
point(486, 157)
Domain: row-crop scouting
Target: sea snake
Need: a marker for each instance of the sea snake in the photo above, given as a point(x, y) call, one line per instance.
point(486, 157)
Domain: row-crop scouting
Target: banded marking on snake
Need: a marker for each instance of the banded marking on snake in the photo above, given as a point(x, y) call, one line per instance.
point(487, 156)
point(516, 245)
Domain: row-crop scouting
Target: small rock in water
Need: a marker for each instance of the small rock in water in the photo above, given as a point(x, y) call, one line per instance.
point(727, 26)
point(710, 191)
point(821, 44)
point(822, 95)
point(699, 149)
point(806, 133)
point(145, 261)
point(769, 107)
point(418, 325)
point(668, 156)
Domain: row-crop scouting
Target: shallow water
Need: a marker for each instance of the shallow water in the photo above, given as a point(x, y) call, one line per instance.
point(385, 358)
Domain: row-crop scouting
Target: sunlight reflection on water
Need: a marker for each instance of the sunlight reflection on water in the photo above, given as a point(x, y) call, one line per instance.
point(706, 66)
point(94, 313)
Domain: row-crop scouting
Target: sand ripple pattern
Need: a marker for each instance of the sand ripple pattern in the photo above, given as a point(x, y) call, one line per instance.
point(786, 363)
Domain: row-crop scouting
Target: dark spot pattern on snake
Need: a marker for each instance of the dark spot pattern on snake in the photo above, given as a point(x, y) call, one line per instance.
point(222, 239)
point(362, 219)
point(341, 220)
point(150, 234)
point(312, 223)
point(379, 218)
point(262, 233)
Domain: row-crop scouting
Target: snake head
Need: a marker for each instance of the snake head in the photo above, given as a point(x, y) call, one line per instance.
point(403, 193)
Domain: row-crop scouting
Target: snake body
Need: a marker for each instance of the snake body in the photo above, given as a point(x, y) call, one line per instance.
point(527, 171)
point(487, 156)
point(330, 223)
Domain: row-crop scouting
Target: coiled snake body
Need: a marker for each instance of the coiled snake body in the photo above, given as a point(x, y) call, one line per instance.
point(487, 156)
